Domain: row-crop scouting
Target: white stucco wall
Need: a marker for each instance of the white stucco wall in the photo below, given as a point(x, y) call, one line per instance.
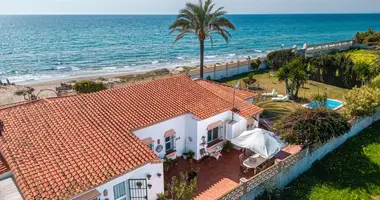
point(157, 131)
point(139, 173)
point(202, 128)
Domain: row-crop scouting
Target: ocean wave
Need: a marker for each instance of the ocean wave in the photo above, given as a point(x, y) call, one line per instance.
point(61, 67)
point(258, 51)
point(75, 68)
point(231, 54)
point(209, 57)
point(180, 58)
point(155, 62)
point(108, 68)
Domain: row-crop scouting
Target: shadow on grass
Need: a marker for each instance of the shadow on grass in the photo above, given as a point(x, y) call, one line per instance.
point(350, 168)
point(243, 75)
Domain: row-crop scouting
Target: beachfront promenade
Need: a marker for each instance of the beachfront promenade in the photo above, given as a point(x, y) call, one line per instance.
point(229, 69)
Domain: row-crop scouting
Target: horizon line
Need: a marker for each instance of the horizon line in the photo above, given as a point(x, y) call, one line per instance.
point(317, 13)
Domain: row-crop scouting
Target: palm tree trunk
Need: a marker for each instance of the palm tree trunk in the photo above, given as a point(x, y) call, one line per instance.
point(202, 56)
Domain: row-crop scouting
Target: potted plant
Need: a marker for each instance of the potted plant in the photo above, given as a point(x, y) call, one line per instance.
point(149, 176)
point(149, 186)
point(139, 184)
point(184, 155)
point(228, 146)
point(159, 175)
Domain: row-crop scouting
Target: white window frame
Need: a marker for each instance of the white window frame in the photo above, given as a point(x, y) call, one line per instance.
point(171, 141)
point(220, 134)
point(124, 197)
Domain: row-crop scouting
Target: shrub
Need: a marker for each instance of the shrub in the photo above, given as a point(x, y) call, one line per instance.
point(362, 101)
point(255, 64)
point(320, 98)
point(280, 58)
point(88, 86)
point(375, 83)
point(311, 126)
point(228, 146)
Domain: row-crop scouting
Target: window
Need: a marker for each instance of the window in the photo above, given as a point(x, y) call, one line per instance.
point(170, 143)
point(214, 134)
point(151, 146)
point(119, 191)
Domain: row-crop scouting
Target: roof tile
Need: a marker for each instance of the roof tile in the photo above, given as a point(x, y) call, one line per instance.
point(60, 147)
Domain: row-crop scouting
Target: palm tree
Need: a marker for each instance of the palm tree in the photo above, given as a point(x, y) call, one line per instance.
point(202, 20)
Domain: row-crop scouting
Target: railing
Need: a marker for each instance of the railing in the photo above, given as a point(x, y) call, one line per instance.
point(263, 176)
point(327, 46)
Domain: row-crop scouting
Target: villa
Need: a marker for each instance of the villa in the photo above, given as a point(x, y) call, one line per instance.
point(110, 144)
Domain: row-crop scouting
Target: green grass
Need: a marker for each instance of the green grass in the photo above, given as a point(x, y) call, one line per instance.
point(350, 172)
point(267, 84)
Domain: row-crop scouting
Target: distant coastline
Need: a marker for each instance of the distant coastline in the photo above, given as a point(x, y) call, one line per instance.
point(51, 47)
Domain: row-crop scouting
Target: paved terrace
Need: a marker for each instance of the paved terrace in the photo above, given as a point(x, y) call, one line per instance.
point(216, 177)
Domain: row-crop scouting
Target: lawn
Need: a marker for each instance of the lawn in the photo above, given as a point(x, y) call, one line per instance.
point(350, 172)
point(276, 110)
point(268, 83)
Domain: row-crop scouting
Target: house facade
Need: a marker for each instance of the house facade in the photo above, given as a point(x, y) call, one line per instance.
point(109, 145)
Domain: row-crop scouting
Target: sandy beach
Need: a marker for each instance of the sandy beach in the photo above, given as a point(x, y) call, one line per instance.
point(46, 89)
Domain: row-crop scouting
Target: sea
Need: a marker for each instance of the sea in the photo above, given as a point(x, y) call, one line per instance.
point(38, 48)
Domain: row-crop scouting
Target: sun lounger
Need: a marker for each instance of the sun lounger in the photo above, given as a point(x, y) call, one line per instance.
point(285, 98)
point(272, 94)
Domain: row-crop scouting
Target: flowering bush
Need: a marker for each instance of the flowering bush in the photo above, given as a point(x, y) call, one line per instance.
point(88, 86)
point(375, 83)
point(310, 126)
point(362, 101)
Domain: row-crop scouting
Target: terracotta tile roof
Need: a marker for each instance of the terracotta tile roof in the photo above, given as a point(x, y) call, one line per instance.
point(61, 147)
point(225, 92)
point(3, 165)
point(222, 90)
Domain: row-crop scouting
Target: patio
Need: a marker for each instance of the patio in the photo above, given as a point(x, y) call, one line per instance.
point(216, 177)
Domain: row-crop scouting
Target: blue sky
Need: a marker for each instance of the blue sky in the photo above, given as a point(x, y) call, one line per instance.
point(172, 6)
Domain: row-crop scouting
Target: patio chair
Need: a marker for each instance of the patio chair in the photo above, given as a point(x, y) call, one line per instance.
point(243, 168)
point(272, 94)
point(204, 154)
point(285, 98)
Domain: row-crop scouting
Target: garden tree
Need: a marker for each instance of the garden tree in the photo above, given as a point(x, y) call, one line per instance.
point(311, 126)
point(364, 72)
point(294, 76)
point(277, 59)
point(180, 188)
point(362, 101)
point(88, 87)
point(255, 64)
point(334, 69)
point(249, 80)
point(368, 37)
point(202, 20)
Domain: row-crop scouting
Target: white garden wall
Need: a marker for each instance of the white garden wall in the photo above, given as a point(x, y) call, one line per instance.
point(284, 177)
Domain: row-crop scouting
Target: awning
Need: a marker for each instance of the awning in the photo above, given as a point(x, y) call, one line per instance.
point(148, 141)
point(214, 125)
point(89, 195)
point(169, 133)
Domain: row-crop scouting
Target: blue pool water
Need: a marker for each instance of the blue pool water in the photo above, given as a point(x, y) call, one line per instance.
point(330, 104)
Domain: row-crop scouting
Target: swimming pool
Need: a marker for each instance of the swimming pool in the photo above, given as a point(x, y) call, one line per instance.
point(330, 104)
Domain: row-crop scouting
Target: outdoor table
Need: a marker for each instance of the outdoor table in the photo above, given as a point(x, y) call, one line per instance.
point(250, 164)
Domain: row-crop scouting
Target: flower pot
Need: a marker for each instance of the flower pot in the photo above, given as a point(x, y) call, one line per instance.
point(149, 186)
